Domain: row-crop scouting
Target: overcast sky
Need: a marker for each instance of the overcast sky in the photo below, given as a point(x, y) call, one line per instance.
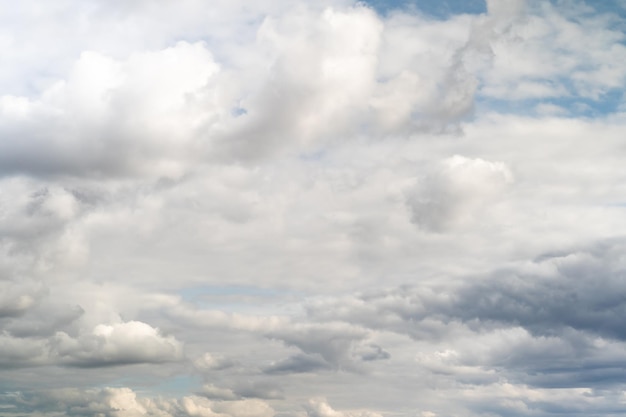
point(329, 208)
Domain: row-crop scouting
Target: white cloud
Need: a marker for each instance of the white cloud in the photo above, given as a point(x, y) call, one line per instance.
point(117, 344)
point(109, 116)
point(318, 407)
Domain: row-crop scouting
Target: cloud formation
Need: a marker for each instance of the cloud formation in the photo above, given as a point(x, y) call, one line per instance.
point(331, 209)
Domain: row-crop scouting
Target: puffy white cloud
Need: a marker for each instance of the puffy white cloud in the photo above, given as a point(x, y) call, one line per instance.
point(117, 344)
point(114, 117)
point(318, 407)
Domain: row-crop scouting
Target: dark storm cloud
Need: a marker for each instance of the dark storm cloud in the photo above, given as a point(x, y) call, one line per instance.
point(583, 290)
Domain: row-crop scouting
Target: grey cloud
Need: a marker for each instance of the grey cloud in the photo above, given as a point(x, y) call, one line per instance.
point(33, 212)
point(45, 320)
point(208, 363)
point(556, 322)
point(265, 390)
point(332, 343)
point(177, 179)
point(522, 401)
point(456, 192)
point(372, 352)
point(17, 298)
point(245, 389)
point(22, 352)
point(213, 392)
point(323, 346)
point(584, 290)
point(581, 290)
point(319, 407)
point(298, 364)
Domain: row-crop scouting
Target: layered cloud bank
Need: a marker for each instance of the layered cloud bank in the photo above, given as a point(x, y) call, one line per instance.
point(322, 209)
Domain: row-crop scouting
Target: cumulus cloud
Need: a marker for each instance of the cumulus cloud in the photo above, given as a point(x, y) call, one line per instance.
point(318, 407)
point(146, 105)
point(174, 106)
point(117, 344)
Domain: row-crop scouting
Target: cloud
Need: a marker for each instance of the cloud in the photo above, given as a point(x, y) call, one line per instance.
point(298, 364)
point(262, 390)
point(318, 407)
point(321, 73)
point(195, 406)
point(124, 402)
point(526, 63)
point(17, 298)
point(456, 192)
point(21, 352)
point(226, 210)
point(578, 290)
point(109, 402)
point(208, 362)
point(117, 344)
point(212, 392)
point(145, 105)
point(554, 322)
point(172, 107)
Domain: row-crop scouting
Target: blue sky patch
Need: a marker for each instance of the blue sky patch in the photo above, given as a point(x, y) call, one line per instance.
point(439, 9)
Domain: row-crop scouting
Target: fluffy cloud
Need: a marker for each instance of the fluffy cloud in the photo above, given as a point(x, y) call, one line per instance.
point(117, 344)
point(318, 407)
point(105, 106)
point(124, 402)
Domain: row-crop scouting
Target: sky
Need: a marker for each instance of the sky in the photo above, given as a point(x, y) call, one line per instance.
point(319, 208)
